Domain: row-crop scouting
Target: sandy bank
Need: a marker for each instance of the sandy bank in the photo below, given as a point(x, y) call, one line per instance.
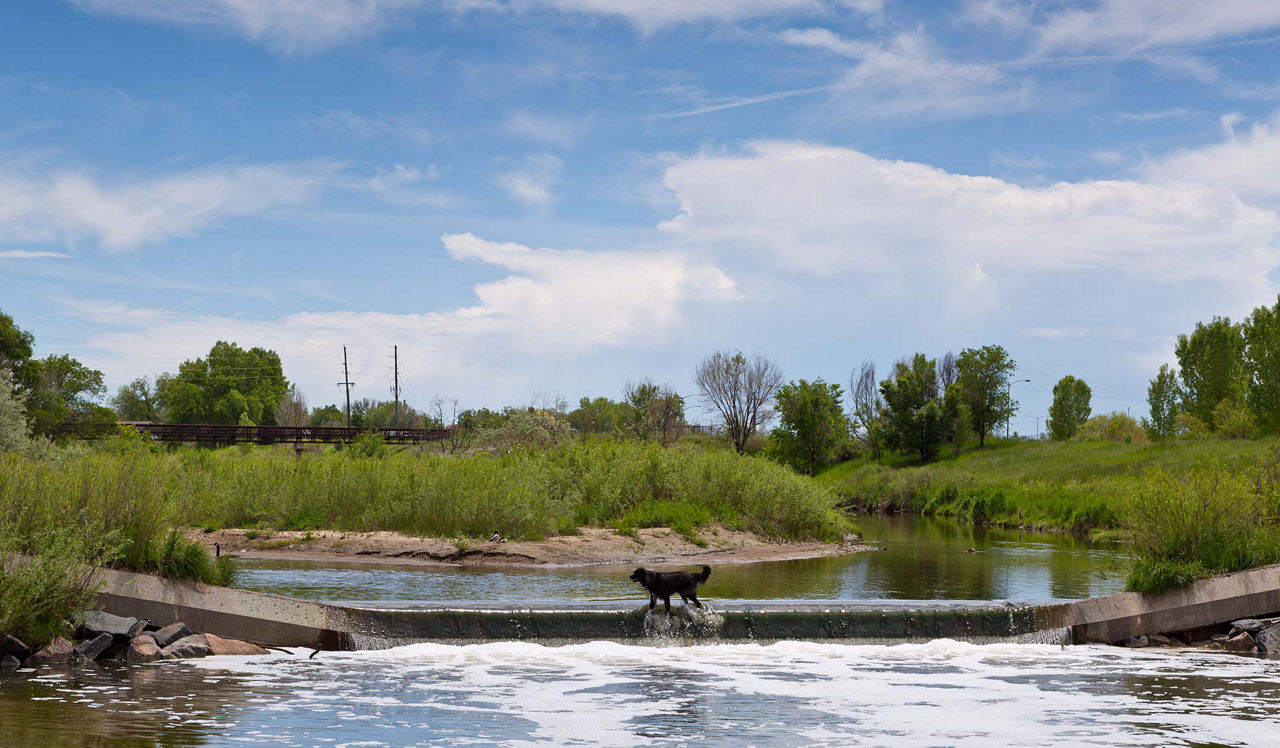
point(593, 546)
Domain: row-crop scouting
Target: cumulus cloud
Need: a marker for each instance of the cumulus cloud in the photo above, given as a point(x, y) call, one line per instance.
point(907, 75)
point(1244, 164)
point(818, 209)
point(562, 300)
point(69, 207)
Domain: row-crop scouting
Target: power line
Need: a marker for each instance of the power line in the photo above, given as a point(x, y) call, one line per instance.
point(346, 382)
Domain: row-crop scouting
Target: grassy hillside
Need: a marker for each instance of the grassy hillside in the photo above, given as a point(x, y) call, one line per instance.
point(1187, 509)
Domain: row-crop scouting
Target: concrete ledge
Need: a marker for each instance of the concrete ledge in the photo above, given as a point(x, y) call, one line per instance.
point(1221, 599)
point(236, 614)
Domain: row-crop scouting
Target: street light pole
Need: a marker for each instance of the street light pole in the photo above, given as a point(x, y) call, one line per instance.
point(1008, 392)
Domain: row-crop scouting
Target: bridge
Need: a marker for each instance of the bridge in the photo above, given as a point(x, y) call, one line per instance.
point(226, 434)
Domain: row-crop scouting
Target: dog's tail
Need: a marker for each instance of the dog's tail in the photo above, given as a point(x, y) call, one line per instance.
point(702, 578)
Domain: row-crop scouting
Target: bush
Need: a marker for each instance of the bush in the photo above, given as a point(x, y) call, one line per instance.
point(1232, 421)
point(1112, 427)
point(1206, 521)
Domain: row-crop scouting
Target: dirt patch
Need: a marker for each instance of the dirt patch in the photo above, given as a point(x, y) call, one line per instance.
point(591, 547)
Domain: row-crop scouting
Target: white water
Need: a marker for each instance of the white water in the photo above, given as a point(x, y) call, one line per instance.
point(940, 692)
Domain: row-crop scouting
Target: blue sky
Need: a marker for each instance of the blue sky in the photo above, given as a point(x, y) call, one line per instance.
point(542, 198)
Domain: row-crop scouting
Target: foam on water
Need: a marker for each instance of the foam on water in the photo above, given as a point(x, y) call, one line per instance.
point(941, 691)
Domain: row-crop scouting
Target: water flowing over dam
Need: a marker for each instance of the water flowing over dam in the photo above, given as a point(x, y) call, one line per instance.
point(380, 626)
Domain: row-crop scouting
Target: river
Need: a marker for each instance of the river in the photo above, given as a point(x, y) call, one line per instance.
point(790, 692)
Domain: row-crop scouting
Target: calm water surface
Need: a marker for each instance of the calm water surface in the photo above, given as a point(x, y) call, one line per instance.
point(786, 693)
point(923, 559)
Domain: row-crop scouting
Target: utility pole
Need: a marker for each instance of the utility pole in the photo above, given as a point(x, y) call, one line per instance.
point(1008, 392)
point(395, 354)
point(346, 382)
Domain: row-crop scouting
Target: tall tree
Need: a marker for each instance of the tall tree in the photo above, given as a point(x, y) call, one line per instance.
point(230, 385)
point(812, 424)
point(1262, 367)
point(15, 353)
point(867, 408)
point(740, 391)
point(137, 401)
point(915, 420)
point(983, 378)
point(1070, 407)
point(13, 414)
point(654, 412)
point(948, 371)
point(65, 392)
point(1164, 395)
point(1211, 364)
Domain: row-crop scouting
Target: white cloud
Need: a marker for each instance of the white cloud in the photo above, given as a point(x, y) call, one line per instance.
point(551, 131)
point(308, 25)
point(27, 254)
point(821, 210)
point(552, 303)
point(907, 76)
point(68, 207)
point(654, 14)
point(290, 25)
point(532, 182)
point(349, 124)
point(1244, 164)
point(1140, 25)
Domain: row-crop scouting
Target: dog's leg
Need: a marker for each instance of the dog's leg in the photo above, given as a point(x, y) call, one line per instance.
point(694, 596)
point(653, 601)
point(666, 600)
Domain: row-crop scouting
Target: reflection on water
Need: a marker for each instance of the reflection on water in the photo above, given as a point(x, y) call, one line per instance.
point(923, 559)
point(940, 692)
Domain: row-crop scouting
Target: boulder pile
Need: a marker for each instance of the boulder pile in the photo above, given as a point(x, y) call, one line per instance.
point(1245, 636)
point(103, 636)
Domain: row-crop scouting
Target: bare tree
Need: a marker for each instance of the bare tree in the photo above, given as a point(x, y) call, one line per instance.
point(458, 438)
point(948, 372)
point(740, 390)
point(867, 404)
point(292, 410)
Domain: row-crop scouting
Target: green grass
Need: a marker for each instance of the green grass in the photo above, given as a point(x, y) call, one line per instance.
point(1186, 509)
point(1075, 486)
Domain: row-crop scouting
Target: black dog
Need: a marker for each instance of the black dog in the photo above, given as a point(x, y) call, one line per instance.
point(662, 584)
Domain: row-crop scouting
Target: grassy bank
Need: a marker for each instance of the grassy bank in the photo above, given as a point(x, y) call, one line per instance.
point(120, 506)
point(1187, 509)
point(526, 495)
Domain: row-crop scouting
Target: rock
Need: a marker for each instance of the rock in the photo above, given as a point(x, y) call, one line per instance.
point(195, 645)
point(89, 649)
point(1137, 641)
point(1268, 640)
point(1157, 640)
point(1251, 625)
point(12, 646)
point(119, 626)
point(1241, 642)
point(1219, 638)
point(58, 650)
point(171, 633)
point(220, 646)
point(9, 663)
point(142, 649)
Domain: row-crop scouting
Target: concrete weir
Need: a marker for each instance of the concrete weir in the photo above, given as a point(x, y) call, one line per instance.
point(283, 621)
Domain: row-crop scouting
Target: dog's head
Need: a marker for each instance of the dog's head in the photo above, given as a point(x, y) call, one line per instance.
point(639, 575)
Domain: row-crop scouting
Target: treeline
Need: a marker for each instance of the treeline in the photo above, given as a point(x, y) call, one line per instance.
point(1227, 381)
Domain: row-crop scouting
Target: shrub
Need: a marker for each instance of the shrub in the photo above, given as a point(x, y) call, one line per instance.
point(1206, 521)
point(1112, 427)
point(1232, 421)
